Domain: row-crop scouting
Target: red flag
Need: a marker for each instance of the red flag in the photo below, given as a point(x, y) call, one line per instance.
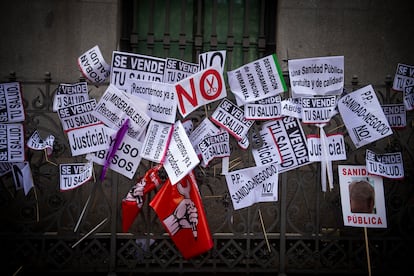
point(182, 214)
point(132, 203)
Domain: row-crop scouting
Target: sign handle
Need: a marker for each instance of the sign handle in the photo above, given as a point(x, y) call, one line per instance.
point(264, 230)
point(367, 250)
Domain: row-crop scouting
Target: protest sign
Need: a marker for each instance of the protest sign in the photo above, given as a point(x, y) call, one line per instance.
point(35, 142)
point(115, 106)
point(199, 89)
point(230, 117)
point(318, 110)
point(88, 139)
point(291, 142)
point(316, 76)
point(11, 143)
point(162, 103)
point(69, 94)
point(177, 70)
point(181, 158)
point(212, 58)
point(22, 176)
point(11, 103)
point(204, 129)
point(135, 66)
point(269, 152)
point(214, 146)
point(292, 107)
point(363, 116)
point(252, 185)
point(257, 80)
point(362, 197)
point(395, 114)
point(404, 76)
point(93, 66)
point(72, 88)
point(336, 148)
point(126, 159)
point(389, 165)
point(409, 97)
point(156, 142)
point(78, 115)
point(188, 126)
point(74, 175)
point(265, 109)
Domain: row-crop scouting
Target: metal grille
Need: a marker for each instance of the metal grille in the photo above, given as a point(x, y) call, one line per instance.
point(304, 228)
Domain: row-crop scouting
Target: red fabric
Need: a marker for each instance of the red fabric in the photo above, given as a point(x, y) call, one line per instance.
point(132, 204)
point(190, 240)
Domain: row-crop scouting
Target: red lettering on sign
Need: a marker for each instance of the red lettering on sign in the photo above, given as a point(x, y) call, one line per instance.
point(182, 92)
point(214, 87)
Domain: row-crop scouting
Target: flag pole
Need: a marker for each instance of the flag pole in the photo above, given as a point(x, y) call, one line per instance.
point(367, 250)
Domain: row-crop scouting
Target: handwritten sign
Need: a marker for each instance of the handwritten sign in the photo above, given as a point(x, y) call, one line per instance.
point(395, 114)
point(363, 116)
point(316, 76)
point(11, 103)
point(362, 197)
point(12, 143)
point(257, 80)
point(252, 185)
point(404, 76)
point(74, 175)
point(389, 165)
point(93, 66)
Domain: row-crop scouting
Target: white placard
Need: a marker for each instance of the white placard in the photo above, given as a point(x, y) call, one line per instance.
point(318, 110)
point(22, 176)
point(395, 114)
point(257, 80)
point(363, 116)
point(200, 89)
point(204, 129)
point(292, 107)
point(214, 146)
point(78, 115)
point(88, 139)
point(231, 117)
point(336, 148)
point(389, 165)
point(409, 97)
point(74, 175)
point(253, 185)
point(93, 65)
point(62, 100)
point(11, 103)
point(268, 153)
point(140, 67)
point(12, 143)
point(181, 158)
point(177, 70)
point(212, 58)
point(404, 76)
point(156, 141)
point(362, 197)
point(265, 109)
point(36, 142)
point(161, 98)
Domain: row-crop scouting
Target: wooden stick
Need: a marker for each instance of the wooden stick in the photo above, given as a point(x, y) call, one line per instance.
point(90, 232)
point(82, 213)
point(264, 231)
point(37, 204)
point(335, 128)
point(47, 158)
point(18, 270)
point(367, 249)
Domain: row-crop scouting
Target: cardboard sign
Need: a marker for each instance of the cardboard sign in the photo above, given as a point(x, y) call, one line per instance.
point(11, 103)
point(78, 115)
point(11, 143)
point(74, 175)
point(135, 66)
point(181, 158)
point(199, 89)
point(292, 107)
point(291, 142)
point(156, 142)
point(318, 110)
point(395, 114)
point(177, 70)
point(363, 116)
point(362, 197)
point(316, 76)
point(253, 185)
point(35, 142)
point(212, 58)
point(389, 165)
point(230, 117)
point(257, 80)
point(162, 103)
point(404, 76)
point(214, 146)
point(266, 109)
point(409, 97)
point(88, 139)
point(269, 152)
point(204, 129)
point(93, 66)
point(336, 148)
point(115, 106)
point(126, 158)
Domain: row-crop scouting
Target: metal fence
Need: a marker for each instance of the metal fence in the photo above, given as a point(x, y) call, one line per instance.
point(301, 233)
